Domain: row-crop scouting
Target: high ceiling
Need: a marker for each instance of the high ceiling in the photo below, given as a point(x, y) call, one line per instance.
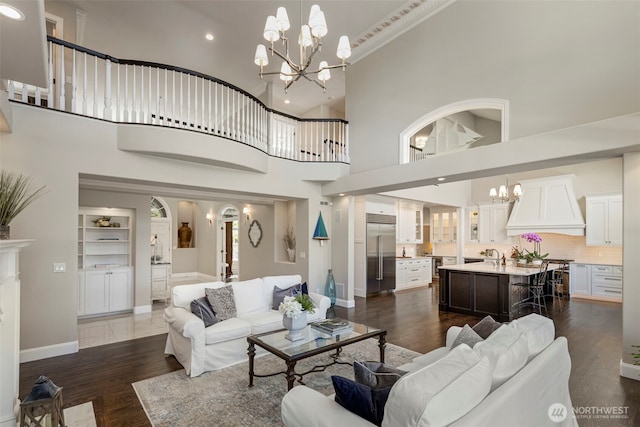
point(172, 32)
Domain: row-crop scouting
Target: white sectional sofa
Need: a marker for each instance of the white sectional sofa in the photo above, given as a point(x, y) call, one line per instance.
point(464, 386)
point(223, 344)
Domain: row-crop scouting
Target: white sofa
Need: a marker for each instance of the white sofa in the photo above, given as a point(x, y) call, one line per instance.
point(223, 344)
point(424, 397)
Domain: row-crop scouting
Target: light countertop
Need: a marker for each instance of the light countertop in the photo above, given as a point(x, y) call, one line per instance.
point(481, 267)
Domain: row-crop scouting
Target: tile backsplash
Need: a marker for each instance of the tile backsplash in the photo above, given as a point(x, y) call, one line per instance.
point(559, 246)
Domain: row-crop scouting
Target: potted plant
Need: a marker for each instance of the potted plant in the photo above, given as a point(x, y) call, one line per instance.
point(294, 315)
point(290, 243)
point(16, 193)
point(534, 257)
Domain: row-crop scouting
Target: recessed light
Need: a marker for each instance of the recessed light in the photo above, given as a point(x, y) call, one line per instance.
point(11, 12)
point(341, 194)
point(208, 36)
point(441, 179)
point(286, 101)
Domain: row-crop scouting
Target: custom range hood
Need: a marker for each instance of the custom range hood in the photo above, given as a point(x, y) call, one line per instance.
point(547, 205)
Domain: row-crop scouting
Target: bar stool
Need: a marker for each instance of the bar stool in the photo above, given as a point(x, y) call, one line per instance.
point(557, 284)
point(534, 291)
point(44, 399)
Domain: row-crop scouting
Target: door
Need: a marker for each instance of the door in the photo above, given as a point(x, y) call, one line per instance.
point(120, 290)
point(96, 292)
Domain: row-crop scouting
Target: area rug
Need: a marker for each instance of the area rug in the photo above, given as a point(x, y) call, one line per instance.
point(223, 398)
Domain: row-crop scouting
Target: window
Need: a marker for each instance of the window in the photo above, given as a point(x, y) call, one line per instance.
point(157, 209)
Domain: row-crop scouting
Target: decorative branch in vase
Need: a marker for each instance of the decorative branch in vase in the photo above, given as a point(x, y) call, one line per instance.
point(16, 193)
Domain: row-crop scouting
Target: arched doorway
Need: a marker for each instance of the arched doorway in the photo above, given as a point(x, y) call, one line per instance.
point(228, 244)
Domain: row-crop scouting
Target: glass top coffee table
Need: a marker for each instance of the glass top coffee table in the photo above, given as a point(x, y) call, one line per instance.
point(314, 342)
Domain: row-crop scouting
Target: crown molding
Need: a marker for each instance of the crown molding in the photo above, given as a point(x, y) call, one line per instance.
point(394, 25)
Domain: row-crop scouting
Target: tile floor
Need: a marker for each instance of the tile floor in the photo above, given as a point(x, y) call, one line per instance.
point(122, 327)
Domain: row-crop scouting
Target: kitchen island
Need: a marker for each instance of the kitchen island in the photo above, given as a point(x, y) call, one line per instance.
point(481, 289)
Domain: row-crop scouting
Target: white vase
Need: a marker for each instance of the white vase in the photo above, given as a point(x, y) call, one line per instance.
point(291, 253)
point(296, 326)
point(536, 262)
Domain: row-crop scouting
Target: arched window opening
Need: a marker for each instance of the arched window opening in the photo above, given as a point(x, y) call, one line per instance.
point(460, 126)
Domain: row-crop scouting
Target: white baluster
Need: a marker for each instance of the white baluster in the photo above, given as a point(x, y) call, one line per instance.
point(74, 85)
point(51, 87)
point(118, 93)
point(189, 101)
point(126, 93)
point(38, 97)
point(62, 100)
point(202, 123)
point(215, 111)
point(209, 96)
point(95, 86)
point(143, 115)
point(165, 98)
point(134, 107)
point(173, 96)
point(195, 106)
point(149, 100)
point(107, 91)
point(84, 86)
point(158, 96)
point(24, 94)
point(181, 100)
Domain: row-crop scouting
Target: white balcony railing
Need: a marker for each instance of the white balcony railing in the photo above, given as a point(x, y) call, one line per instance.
point(126, 91)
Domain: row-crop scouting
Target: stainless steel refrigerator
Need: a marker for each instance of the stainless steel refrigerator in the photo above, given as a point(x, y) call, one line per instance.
point(381, 253)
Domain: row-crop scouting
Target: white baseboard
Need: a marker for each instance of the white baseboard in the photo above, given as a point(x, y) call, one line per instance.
point(629, 370)
point(345, 303)
point(140, 309)
point(31, 354)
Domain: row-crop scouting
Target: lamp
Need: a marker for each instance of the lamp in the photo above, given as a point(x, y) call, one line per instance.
point(502, 193)
point(310, 42)
point(320, 232)
point(245, 212)
point(210, 218)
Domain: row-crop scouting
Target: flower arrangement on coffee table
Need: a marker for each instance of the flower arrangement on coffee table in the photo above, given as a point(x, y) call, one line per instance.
point(294, 315)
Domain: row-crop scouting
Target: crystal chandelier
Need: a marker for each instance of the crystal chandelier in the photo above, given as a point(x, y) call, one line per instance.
point(309, 41)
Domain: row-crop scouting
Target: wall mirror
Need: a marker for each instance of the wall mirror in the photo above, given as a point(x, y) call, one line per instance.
point(255, 233)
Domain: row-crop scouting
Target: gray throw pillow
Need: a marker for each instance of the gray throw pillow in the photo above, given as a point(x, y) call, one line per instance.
point(201, 308)
point(486, 326)
point(222, 302)
point(466, 336)
point(279, 294)
point(376, 374)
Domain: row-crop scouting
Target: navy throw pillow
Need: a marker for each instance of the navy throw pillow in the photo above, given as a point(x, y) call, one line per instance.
point(362, 400)
point(201, 308)
point(279, 294)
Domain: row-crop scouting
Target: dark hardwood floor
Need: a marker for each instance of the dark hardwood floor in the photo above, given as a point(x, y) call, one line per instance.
point(104, 374)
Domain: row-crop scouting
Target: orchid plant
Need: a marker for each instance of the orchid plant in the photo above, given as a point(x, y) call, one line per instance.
point(293, 306)
point(535, 239)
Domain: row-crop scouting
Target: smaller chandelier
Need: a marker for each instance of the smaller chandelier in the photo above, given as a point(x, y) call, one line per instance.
point(309, 41)
point(502, 194)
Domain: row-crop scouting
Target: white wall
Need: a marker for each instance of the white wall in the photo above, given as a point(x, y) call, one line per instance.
point(55, 148)
point(558, 63)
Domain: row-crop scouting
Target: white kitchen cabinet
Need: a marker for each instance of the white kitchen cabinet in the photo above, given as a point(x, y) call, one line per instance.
point(412, 273)
point(105, 290)
point(492, 223)
point(472, 233)
point(444, 226)
point(380, 205)
point(596, 281)
point(160, 282)
point(409, 229)
point(604, 220)
point(580, 279)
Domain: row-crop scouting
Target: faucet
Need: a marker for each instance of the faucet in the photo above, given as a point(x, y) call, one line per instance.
point(488, 251)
